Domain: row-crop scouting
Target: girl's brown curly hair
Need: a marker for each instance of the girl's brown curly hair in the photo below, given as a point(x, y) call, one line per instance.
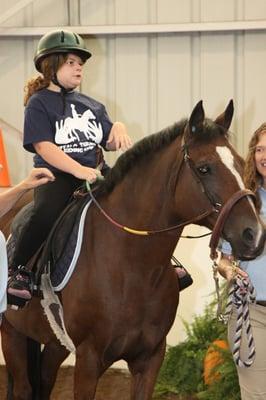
point(49, 66)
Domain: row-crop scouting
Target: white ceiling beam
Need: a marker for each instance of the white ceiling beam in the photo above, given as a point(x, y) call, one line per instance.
point(15, 9)
point(139, 29)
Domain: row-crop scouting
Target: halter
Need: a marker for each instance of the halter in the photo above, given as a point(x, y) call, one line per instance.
point(63, 90)
point(215, 206)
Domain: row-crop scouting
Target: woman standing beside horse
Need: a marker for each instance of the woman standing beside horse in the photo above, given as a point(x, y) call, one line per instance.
point(64, 129)
point(252, 379)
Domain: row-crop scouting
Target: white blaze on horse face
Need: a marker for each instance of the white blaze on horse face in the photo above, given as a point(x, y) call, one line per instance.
point(227, 158)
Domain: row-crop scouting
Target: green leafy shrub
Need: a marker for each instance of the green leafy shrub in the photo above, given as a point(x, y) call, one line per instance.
point(182, 370)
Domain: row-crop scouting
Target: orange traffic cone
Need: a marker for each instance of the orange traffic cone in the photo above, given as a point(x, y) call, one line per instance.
point(4, 173)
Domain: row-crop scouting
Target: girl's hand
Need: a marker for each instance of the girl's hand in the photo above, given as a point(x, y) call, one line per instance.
point(87, 173)
point(118, 138)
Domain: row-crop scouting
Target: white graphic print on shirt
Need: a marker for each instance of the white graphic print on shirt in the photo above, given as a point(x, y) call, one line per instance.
point(78, 133)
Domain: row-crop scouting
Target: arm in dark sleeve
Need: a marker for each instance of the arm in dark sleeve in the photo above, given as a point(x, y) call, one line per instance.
point(106, 126)
point(37, 128)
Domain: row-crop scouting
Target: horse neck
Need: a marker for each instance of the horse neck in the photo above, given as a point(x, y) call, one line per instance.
point(144, 201)
point(145, 193)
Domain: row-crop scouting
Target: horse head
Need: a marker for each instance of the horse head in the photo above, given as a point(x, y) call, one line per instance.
point(215, 170)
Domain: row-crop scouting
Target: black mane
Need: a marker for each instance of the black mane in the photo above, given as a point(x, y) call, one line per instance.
point(149, 145)
point(144, 147)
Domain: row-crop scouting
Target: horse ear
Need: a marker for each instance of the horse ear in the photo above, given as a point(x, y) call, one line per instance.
point(225, 118)
point(195, 123)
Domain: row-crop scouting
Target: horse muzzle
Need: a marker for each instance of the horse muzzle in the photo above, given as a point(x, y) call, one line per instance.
point(252, 243)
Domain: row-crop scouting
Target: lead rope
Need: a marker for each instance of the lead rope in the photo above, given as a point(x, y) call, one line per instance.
point(240, 295)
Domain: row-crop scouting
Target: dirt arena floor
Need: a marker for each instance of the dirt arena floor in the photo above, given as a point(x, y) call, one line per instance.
point(114, 385)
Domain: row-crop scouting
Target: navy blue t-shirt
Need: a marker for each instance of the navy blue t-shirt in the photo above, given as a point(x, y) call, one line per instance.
point(84, 125)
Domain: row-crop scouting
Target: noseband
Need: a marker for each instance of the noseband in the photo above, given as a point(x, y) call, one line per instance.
point(225, 211)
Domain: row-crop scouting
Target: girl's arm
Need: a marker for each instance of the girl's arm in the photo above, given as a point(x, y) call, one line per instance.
point(54, 156)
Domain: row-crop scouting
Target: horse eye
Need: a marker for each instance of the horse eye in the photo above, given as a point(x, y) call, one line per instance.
point(203, 169)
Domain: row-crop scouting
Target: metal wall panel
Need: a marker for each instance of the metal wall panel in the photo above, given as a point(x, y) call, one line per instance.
point(150, 80)
point(18, 19)
point(255, 9)
point(217, 10)
point(254, 82)
point(100, 12)
point(49, 13)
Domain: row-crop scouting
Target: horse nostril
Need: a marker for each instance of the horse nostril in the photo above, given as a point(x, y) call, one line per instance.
point(249, 235)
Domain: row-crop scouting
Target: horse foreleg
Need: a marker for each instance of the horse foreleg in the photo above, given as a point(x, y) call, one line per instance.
point(144, 374)
point(87, 373)
point(53, 355)
point(14, 346)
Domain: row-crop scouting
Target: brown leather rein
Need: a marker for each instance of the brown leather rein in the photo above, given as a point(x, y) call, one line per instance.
point(216, 207)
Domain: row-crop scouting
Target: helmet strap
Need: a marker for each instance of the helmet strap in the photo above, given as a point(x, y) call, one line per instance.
point(57, 83)
point(64, 91)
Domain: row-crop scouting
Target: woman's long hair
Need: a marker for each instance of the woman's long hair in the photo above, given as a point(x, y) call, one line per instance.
point(49, 67)
point(252, 178)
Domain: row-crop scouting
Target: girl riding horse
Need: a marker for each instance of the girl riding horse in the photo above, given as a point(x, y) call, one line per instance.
point(50, 101)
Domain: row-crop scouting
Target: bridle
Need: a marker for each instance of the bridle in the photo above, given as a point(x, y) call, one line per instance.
point(216, 207)
point(223, 211)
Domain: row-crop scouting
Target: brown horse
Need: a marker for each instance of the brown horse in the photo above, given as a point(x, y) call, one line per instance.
point(122, 298)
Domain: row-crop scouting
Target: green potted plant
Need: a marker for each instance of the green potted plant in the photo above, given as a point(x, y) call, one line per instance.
point(182, 372)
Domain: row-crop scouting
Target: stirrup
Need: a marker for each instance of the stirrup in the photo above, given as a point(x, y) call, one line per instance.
point(184, 281)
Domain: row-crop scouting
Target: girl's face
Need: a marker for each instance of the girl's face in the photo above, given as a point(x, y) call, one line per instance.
point(260, 156)
point(70, 73)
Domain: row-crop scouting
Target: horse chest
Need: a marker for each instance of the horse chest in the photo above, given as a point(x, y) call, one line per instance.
point(132, 344)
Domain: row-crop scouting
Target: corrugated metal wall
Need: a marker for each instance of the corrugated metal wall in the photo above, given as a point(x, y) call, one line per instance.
point(149, 78)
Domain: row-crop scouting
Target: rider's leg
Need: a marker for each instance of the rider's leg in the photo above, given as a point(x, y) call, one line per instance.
point(49, 202)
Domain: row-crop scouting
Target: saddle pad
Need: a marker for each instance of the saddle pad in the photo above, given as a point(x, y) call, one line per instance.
point(65, 266)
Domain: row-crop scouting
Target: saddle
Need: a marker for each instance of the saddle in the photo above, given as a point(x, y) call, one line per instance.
point(52, 249)
point(58, 239)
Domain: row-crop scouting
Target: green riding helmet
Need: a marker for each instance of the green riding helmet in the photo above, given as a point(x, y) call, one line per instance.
point(60, 42)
